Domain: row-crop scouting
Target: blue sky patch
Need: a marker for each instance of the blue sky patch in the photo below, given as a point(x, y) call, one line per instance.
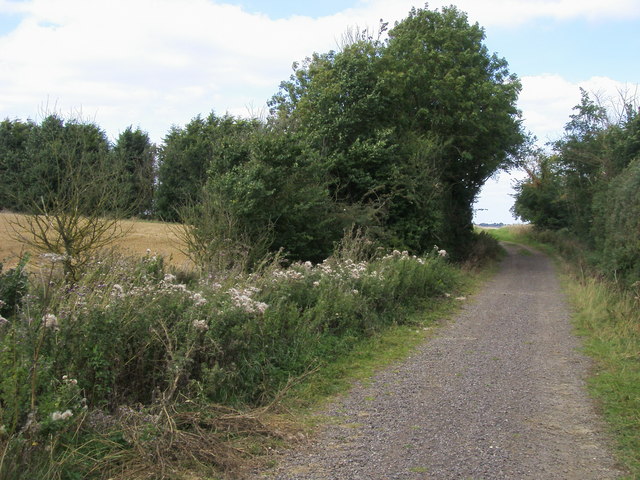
point(9, 22)
point(277, 9)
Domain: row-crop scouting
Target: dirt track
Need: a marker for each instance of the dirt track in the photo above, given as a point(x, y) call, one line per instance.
point(498, 394)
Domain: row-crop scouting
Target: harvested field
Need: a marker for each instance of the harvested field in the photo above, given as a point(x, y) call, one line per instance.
point(161, 238)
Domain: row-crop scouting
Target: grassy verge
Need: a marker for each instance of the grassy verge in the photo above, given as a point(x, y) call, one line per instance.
point(608, 319)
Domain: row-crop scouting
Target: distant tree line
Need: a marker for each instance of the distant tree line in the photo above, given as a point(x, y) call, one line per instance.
point(588, 186)
point(38, 161)
point(395, 135)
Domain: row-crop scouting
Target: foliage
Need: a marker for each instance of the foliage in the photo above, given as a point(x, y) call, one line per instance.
point(77, 356)
point(412, 126)
point(588, 188)
point(75, 206)
point(451, 88)
point(188, 153)
point(13, 287)
point(135, 154)
point(14, 136)
point(279, 194)
point(541, 199)
point(619, 209)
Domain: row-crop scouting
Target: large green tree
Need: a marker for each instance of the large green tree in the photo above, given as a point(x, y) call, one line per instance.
point(413, 125)
point(450, 88)
point(188, 153)
point(135, 154)
point(14, 135)
point(589, 186)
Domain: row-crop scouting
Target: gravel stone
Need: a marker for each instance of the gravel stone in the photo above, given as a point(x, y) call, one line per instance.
point(498, 393)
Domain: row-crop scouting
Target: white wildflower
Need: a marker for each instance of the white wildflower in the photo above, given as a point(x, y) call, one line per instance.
point(198, 299)
point(3, 321)
point(169, 278)
point(242, 299)
point(442, 253)
point(69, 381)
point(200, 325)
point(50, 321)
point(316, 284)
point(287, 275)
point(53, 257)
point(56, 416)
point(117, 290)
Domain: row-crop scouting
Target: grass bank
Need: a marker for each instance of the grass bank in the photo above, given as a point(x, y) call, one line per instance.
point(607, 317)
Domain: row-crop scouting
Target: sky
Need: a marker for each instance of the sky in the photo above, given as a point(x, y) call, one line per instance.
point(154, 64)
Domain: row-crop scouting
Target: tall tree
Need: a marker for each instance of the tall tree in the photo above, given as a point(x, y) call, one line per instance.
point(415, 124)
point(449, 87)
point(14, 136)
point(188, 153)
point(135, 153)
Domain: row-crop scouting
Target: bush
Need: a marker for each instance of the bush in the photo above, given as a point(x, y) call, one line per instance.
point(619, 212)
point(129, 335)
point(13, 287)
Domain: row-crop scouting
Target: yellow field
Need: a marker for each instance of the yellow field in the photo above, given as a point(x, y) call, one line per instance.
point(158, 237)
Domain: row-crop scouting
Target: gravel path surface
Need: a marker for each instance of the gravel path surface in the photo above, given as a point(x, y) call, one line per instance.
point(497, 394)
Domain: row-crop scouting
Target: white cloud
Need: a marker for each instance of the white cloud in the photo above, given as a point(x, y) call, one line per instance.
point(513, 13)
point(155, 63)
point(547, 101)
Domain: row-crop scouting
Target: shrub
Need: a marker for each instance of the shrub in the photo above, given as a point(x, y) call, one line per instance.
point(13, 287)
point(130, 335)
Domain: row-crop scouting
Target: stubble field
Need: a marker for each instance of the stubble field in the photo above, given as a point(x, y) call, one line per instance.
point(158, 237)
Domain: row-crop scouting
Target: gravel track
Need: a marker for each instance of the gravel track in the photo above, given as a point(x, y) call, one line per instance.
point(498, 393)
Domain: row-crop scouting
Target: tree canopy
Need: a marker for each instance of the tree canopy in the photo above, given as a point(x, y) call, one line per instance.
point(414, 124)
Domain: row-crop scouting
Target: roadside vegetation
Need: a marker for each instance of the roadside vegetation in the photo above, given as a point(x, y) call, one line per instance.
point(138, 370)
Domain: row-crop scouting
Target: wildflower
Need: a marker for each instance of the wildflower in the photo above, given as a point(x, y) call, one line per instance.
point(53, 257)
point(56, 416)
point(442, 253)
point(198, 299)
point(69, 381)
point(169, 278)
point(3, 321)
point(242, 299)
point(117, 290)
point(3, 430)
point(200, 325)
point(50, 321)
